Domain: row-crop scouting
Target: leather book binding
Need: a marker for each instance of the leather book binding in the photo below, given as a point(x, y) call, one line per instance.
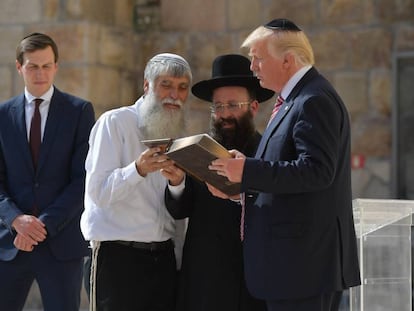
point(194, 154)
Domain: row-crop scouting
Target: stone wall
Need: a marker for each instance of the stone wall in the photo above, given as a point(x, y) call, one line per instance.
point(104, 48)
point(103, 54)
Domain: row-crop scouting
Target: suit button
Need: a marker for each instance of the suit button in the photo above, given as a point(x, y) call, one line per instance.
point(36, 185)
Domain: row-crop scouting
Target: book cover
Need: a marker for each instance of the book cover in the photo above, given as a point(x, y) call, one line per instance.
point(194, 154)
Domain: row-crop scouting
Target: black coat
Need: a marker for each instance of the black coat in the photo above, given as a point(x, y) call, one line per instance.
point(211, 276)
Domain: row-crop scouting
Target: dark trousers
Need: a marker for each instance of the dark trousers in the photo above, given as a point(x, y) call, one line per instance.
point(60, 282)
point(323, 302)
point(130, 279)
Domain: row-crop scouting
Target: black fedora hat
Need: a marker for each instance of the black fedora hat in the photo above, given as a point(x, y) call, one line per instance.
point(230, 70)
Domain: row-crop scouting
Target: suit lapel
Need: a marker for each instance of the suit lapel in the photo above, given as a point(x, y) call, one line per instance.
point(273, 125)
point(53, 118)
point(284, 109)
point(18, 116)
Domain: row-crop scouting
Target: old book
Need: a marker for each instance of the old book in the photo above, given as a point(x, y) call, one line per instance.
point(194, 154)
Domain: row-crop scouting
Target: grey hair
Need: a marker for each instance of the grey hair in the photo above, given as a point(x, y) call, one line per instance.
point(167, 64)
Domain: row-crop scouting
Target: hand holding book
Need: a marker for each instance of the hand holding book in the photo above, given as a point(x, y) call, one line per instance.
point(232, 168)
point(152, 160)
point(194, 154)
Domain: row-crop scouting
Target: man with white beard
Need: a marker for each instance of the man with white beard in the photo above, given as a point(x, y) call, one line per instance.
point(125, 219)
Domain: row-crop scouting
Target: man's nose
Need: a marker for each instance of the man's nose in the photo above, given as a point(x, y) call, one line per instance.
point(174, 93)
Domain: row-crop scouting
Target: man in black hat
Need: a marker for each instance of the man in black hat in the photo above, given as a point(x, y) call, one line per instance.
point(300, 245)
point(212, 276)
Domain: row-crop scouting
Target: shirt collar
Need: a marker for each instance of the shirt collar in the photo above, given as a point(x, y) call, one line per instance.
point(293, 81)
point(46, 96)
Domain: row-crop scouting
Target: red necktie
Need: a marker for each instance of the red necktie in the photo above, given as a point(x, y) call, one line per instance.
point(35, 132)
point(243, 209)
point(276, 107)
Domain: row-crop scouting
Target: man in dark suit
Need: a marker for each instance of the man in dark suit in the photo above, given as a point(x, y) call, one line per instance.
point(300, 245)
point(212, 276)
point(43, 144)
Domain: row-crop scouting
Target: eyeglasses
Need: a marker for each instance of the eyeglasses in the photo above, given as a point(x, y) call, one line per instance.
point(232, 107)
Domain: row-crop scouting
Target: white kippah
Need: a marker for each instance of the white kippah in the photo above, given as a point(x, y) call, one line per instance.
point(169, 57)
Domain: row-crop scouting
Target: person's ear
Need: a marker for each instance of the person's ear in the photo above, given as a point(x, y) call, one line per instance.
point(254, 107)
point(18, 67)
point(146, 87)
point(289, 60)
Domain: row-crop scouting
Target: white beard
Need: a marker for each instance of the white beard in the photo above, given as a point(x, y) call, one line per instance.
point(158, 122)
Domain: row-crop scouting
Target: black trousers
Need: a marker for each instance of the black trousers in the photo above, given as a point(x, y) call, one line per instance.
point(130, 279)
point(323, 302)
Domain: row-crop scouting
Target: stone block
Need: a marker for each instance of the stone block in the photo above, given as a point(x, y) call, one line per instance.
point(51, 10)
point(124, 13)
point(73, 80)
point(371, 136)
point(394, 11)
point(5, 82)
point(211, 45)
point(101, 11)
point(197, 116)
point(353, 89)
point(148, 45)
point(115, 48)
point(78, 43)
point(404, 39)
point(18, 12)
point(194, 15)
point(370, 48)
point(103, 87)
point(301, 12)
point(244, 14)
point(380, 92)
point(17, 82)
point(346, 12)
point(331, 49)
point(10, 38)
point(131, 89)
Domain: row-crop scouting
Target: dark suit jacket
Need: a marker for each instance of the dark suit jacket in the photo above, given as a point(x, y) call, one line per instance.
point(211, 275)
point(57, 186)
point(299, 234)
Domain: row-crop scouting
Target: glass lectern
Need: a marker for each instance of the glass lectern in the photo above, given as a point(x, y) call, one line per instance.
point(383, 229)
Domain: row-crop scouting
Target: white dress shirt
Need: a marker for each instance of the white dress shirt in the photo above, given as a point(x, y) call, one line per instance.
point(43, 109)
point(120, 204)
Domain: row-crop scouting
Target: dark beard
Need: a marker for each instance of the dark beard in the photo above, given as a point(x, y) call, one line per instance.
point(236, 137)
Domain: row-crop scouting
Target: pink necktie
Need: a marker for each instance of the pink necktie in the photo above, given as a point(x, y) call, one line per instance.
point(243, 207)
point(276, 107)
point(35, 132)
